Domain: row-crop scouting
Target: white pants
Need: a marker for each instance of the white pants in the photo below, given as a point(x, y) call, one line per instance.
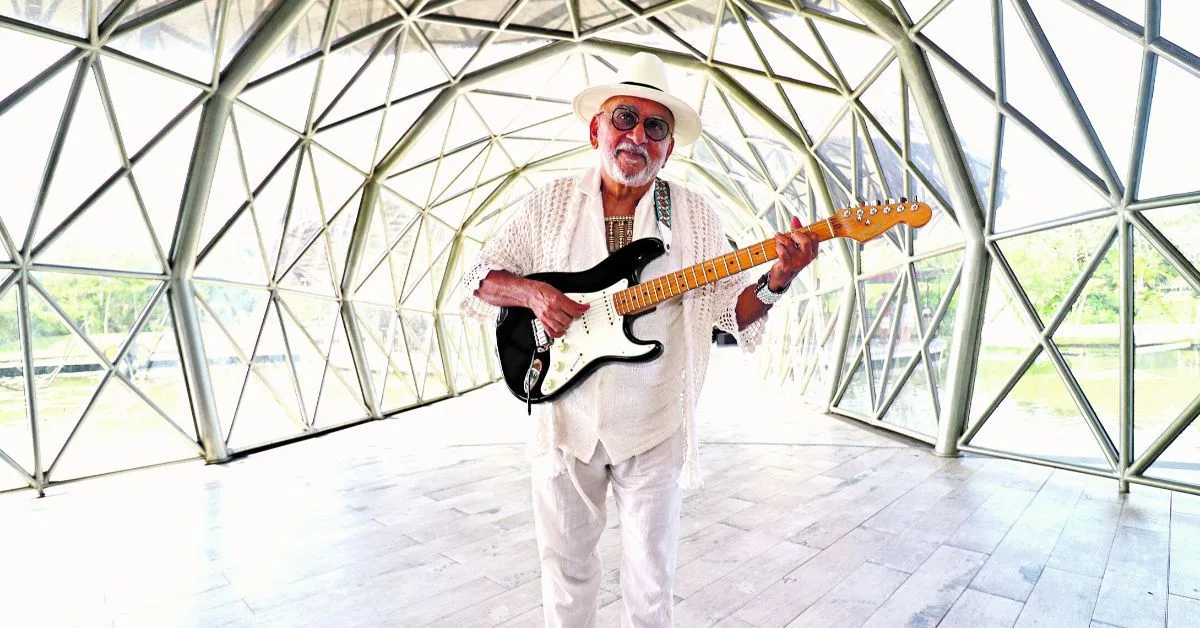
point(648, 497)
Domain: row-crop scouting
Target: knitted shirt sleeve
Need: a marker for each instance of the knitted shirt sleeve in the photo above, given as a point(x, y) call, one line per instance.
point(511, 248)
point(722, 296)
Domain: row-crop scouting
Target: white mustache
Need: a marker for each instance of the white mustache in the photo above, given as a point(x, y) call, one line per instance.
point(632, 148)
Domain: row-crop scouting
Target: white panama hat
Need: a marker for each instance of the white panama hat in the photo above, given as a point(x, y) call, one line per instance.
point(645, 76)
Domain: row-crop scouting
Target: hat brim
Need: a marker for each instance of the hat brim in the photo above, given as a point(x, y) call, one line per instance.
point(687, 121)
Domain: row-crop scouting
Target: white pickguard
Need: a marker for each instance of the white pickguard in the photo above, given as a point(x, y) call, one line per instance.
point(598, 333)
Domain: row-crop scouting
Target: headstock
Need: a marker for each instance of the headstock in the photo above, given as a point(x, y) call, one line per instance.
point(865, 222)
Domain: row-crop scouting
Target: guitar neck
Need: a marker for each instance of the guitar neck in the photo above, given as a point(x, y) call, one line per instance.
point(650, 293)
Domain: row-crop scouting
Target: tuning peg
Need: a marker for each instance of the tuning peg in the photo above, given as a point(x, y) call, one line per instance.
point(903, 199)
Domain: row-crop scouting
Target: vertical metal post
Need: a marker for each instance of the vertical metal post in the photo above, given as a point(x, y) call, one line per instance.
point(968, 322)
point(1127, 355)
point(201, 171)
point(358, 243)
point(26, 325)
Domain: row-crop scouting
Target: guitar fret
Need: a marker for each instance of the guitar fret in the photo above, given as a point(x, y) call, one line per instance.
point(725, 261)
point(738, 260)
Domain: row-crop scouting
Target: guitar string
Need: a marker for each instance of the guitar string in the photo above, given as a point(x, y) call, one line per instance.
point(837, 220)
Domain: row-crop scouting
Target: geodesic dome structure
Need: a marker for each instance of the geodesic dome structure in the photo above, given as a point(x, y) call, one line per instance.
point(229, 224)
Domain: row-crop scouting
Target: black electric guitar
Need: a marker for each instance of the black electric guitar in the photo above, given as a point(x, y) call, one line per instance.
point(538, 368)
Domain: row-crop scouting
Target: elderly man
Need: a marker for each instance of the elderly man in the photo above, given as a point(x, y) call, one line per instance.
point(630, 425)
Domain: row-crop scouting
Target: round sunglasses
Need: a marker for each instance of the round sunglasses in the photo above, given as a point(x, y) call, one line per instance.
point(624, 119)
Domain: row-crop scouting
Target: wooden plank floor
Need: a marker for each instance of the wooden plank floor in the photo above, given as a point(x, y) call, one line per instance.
point(425, 519)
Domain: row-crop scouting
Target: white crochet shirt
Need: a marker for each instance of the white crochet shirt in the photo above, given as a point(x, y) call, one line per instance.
point(537, 238)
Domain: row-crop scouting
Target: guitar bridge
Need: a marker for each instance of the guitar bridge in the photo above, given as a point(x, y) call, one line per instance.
point(540, 337)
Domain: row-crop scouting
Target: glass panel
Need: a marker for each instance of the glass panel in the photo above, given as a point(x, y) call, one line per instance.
point(309, 325)
point(239, 310)
point(920, 151)
point(382, 326)
point(882, 99)
point(793, 28)
point(16, 439)
point(1089, 337)
point(1181, 461)
point(913, 407)
point(311, 272)
point(974, 121)
point(121, 432)
point(1167, 332)
point(1170, 132)
point(240, 19)
point(262, 142)
point(69, 16)
point(160, 175)
point(25, 56)
point(140, 118)
point(964, 31)
point(1035, 186)
point(30, 124)
point(694, 23)
point(877, 349)
point(340, 66)
point(550, 14)
point(341, 398)
point(183, 41)
point(371, 88)
point(595, 13)
point(1031, 90)
point(453, 45)
point(1048, 263)
point(104, 308)
point(355, 15)
point(941, 231)
point(1177, 224)
point(816, 109)
point(855, 52)
point(92, 240)
point(903, 323)
point(229, 332)
point(1103, 68)
point(269, 409)
point(154, 366)
point(228, 192)
point(66, 373)
point(88, 158)
point(337, 182)
point(302, 40)
point(340, 231)
point(858, 395)
point(286, 97)
point(1039, 418)
point(424, 353)
point(733, 46)
point(1005, 340)
point(305, 220)
point(270, 211)
point(1174, 20)
point(417, 70)
point(354, 141)
point(237, 256)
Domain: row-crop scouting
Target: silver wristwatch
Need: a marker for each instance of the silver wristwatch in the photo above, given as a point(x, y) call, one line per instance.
point(764, 293)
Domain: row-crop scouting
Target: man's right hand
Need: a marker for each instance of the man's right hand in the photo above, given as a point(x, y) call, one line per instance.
point(553, 308)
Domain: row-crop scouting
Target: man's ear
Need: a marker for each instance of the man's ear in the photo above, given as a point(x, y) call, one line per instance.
point(594, 131)
point(670, 149)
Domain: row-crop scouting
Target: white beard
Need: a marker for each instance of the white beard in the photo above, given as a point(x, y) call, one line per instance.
point(608, 161)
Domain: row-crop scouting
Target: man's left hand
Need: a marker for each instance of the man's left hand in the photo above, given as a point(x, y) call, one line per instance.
point(796, 249)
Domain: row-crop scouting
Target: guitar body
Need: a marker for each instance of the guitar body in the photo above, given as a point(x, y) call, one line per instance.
point(547, 368)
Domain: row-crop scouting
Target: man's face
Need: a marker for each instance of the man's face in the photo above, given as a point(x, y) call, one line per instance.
point(632, 157)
